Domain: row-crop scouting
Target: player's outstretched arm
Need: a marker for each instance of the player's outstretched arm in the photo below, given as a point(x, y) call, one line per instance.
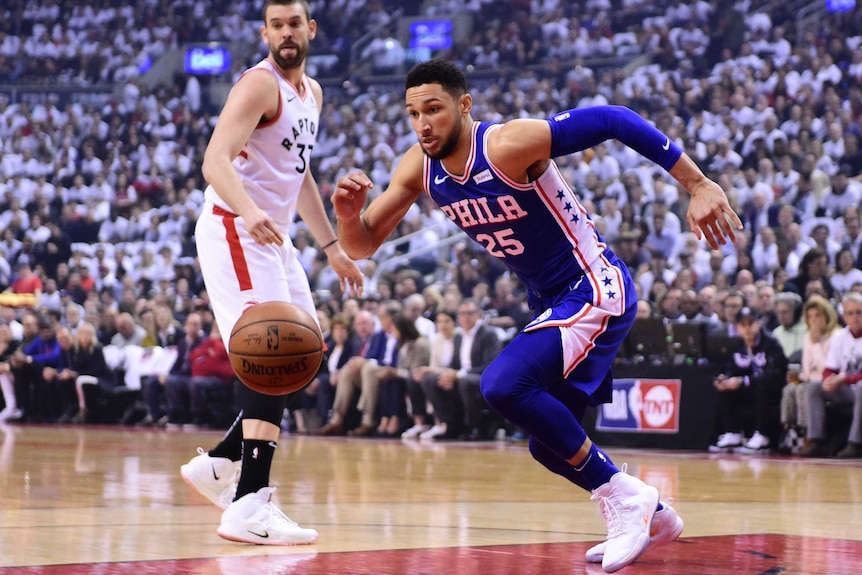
point(254, 97)
point(361, 233)
point(709, 214)
point(522, 143)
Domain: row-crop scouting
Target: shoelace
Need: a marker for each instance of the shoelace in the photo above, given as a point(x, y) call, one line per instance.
point(612, 515)
point(275, 513)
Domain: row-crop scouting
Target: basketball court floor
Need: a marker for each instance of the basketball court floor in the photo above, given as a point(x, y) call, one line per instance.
point(110, 500)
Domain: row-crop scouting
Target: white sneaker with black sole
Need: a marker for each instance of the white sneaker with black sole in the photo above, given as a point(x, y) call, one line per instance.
point(757, 444)
point(213, 477)
point(254, 518)
point(666, 527)
point(726, 443)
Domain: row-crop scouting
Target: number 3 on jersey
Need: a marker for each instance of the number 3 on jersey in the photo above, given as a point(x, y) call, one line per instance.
point(501, 243)
point(302, 151)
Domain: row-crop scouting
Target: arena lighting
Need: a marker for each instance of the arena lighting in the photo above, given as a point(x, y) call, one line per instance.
point(431, 34)
point(208, 59)
point(840, 5)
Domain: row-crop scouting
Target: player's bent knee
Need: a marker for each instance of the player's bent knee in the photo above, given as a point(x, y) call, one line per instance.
point(497, 385)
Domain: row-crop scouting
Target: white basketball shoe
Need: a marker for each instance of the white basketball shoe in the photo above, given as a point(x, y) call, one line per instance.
point(627, 505)
point(213, 477)
point(254, 518)
point(666, 526)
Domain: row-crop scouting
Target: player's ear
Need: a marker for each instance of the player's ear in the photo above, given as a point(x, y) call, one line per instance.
point(312, 29)
point(466, 103)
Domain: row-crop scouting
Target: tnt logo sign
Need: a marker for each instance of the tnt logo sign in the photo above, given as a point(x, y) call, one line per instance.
point(645, 405)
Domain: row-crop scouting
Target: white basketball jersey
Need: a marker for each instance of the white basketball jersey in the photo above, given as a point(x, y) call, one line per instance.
point(277, 156)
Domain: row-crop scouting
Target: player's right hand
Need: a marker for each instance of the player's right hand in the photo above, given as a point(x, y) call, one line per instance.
point(350, 194)
point(261, 227)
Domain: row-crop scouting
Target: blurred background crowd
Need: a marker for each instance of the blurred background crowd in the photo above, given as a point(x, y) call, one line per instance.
point(101, 141)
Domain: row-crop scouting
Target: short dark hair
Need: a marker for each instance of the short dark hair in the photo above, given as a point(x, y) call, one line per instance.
point(739, 294)
point(440, 72)
point(406, 327)
point(447, 313)
point(302, 3)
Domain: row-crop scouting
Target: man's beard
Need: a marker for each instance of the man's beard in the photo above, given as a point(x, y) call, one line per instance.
point(291, 62)
point(449, 144)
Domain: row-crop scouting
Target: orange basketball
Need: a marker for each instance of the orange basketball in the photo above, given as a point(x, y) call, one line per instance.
point(275, 348)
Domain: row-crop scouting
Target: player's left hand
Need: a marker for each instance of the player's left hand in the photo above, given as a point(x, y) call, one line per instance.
point(349, 275)
point(710, 214)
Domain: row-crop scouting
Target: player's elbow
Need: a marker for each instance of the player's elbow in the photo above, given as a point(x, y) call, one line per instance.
point(208, 167)
point(213, 159)
point(357, 251)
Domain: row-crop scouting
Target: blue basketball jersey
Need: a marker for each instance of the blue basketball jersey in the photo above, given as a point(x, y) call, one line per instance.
point(540, 230)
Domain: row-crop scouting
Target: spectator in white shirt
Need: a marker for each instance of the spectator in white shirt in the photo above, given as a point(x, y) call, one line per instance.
point(15, 216)
point(764, 252)
point(846, 273)
point(37, 231)
point(786, 179)
point(843, 194)
point(10, 246)
point(78, 191)
point(834, 146)
point(91, 164)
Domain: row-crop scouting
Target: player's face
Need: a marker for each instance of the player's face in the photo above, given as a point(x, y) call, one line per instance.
point(287, 33)
point(436, 119)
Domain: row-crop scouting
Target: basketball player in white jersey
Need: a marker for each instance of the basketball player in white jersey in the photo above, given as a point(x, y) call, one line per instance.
point(257, 164)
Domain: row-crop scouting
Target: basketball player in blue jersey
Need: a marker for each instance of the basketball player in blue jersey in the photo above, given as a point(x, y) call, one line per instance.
point(257, 165)
point(500, 185)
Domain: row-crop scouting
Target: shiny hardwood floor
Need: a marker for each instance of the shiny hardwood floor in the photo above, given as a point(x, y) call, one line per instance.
point(110, 500)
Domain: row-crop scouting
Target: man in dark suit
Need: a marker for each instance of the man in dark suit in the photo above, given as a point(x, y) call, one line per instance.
point(454, 392)
point(178, 376)
point(374, 349)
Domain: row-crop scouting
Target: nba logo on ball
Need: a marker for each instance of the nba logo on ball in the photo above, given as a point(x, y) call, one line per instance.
point(272, 337)
point(276, 348)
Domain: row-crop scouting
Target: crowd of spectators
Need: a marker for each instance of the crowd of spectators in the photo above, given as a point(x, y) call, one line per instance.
point(98, 200)
point(61, 42)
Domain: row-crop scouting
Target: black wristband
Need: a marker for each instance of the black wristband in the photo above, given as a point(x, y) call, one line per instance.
point(329, 244)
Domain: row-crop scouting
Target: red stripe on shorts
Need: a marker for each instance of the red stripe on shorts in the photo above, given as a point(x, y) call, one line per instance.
point(237, 256)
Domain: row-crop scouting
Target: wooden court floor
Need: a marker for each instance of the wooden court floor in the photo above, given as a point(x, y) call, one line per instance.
point(109, 500)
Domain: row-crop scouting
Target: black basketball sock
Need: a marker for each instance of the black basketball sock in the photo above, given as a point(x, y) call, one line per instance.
point(256, 462)
point(230, 445)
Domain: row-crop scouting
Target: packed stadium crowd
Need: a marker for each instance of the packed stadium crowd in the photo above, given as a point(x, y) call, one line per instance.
point(98, 204)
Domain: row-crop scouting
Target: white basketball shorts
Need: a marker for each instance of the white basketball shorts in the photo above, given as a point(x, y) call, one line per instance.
point(239, 273)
